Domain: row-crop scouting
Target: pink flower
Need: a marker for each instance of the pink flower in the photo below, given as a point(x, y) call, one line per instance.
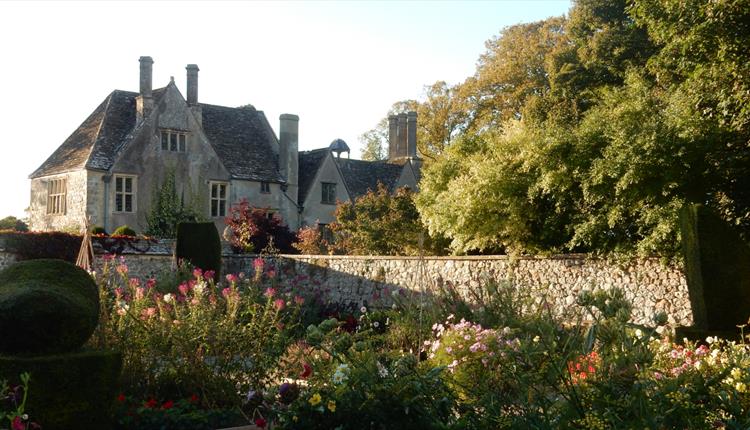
point(299, 300)
point(231, 278)
point(209, 275)
point(226, 292)
point(271, 274)
point(151, 283)
point(270, 292)
point(279, 304)
point(139, 293)
point(197, 273)
point(258, 264)
point(122, 269)
point(184, 289)
point(119, 292)
point(17, 424)
point(135, 282)
point(149, 312)
point(108, 257)
point(242, 275)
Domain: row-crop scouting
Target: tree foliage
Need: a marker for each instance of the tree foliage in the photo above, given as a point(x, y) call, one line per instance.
point(588, 133)
point(13, 223)
point(258, 230)
point(381, 223)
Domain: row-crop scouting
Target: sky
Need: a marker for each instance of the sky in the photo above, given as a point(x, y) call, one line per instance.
point(339, 65)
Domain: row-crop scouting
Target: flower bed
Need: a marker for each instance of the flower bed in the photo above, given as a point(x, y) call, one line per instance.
point(247, 351)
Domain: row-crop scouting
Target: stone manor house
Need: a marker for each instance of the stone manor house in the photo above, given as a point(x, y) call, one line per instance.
point(109, 167)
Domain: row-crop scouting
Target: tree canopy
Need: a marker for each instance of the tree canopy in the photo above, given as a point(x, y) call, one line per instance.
point(588, 133)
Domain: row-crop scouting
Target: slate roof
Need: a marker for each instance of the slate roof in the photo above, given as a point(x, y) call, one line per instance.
point(309, 164)
point(241, 137)
point(362, 176)
point(243, 142)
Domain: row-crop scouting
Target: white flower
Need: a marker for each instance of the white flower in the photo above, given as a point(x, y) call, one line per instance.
point(363, 309)
point(710, 340)
point(199, 288)
point(506, 330)
point(168, 298)
point(638, 333)
point(536, 339)
point(376, 324)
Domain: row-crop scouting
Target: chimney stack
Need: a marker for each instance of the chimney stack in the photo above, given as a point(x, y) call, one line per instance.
point(144, 102)
point(392, 136)
point(401, 147)
point(288, 152)
point(411, 134)
point(146, 75)
point(192, 84)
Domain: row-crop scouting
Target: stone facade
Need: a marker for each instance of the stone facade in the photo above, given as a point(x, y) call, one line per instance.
point(77, 201)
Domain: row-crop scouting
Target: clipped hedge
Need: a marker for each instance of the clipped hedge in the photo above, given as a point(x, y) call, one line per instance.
point(68, 391)
point(35, 245)
point(124, 230)
point(717, 269)
point(46, 306)
point(199, 243)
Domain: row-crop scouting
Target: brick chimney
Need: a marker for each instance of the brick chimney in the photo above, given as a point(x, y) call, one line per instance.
point(145, 102)
point(392, 136)
point(288, 152)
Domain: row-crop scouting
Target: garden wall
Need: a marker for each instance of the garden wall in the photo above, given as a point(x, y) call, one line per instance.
point(359, 280)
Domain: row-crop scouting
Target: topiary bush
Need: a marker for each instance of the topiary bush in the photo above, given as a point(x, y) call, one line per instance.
point(199, 244)
point(124, 230)
point(97, 229)
point(68, 391)
point(717, 269)
point(46, 306)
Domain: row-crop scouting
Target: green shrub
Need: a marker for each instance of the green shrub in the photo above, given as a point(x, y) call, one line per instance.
point(199, 244)
point(68, 391)
point(46, 306)
point(99, 230)
point(36, 245)
point(150, 414)
point(124, 230)
point(13, 223)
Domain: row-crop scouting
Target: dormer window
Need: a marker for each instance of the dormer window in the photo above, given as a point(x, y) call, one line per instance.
point(174, 141)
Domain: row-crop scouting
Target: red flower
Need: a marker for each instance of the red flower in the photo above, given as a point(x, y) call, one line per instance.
point(194, 398)
point(167, 405)
point(260, 422)
point(306, 371)
point(151, 403)
point(17, 424)
point(121, 398)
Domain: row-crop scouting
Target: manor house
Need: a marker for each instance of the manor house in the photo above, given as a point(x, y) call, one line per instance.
point(112, 164)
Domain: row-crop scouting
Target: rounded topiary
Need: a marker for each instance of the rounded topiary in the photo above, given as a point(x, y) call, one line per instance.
point(46, 306)
point(97, 229)
point(199, 243)
point(124, 230)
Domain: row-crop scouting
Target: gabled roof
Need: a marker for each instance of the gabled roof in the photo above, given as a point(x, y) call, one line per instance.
point(362, 176)
point(242, 141)
point(94, 143)
point(309, 164)
point(240, 136)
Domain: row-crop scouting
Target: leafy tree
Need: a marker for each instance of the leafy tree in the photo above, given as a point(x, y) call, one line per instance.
point(255, 230)
point(13, 223)
point(381, 223)
point(168, 209)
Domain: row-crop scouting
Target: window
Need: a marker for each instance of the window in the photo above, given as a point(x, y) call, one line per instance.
point(124, 193)
point(265, 187)
point(218, 199)
point(174, 141)
point(329, 193)
point(56, 196)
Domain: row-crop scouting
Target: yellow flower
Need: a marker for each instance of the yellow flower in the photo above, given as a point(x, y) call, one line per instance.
point(740, 387)
point(332, 406)
point(315, 399)
point(736, 373)
point(295, 418)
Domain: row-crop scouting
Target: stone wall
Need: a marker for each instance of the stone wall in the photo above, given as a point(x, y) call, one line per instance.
point(360, 280)
point(356, 280)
